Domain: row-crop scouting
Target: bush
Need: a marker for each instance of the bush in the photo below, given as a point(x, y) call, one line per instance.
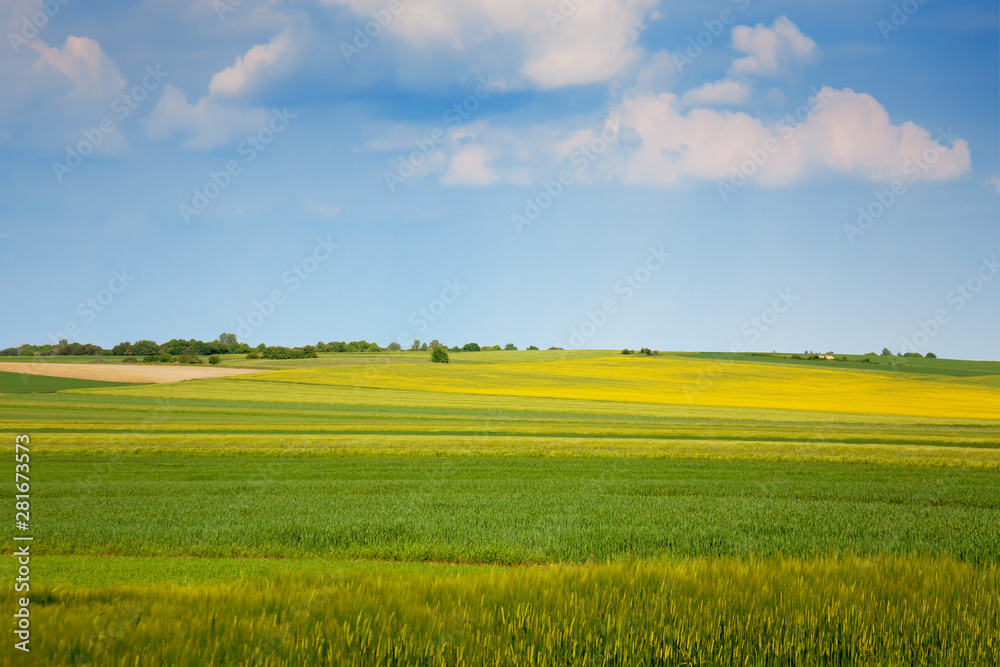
point(187, 359)
point(130, 360)
point(930, 355)
point(626, 351)
point(439, 355)
point(471, 347)
point(646, 351)
point(214, 359)
point(510, 346)
point(253, 354)
point(532, 347)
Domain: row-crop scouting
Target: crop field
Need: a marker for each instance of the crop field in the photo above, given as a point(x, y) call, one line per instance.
point(519, 508)
point(26, 383)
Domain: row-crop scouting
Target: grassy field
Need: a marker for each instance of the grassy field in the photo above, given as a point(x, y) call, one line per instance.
point(520, 508)
point(21, 383)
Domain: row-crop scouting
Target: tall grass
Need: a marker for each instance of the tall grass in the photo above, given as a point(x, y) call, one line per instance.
point(886, 611)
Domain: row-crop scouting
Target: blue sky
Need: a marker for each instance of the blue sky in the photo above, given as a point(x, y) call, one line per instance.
point(682, 176)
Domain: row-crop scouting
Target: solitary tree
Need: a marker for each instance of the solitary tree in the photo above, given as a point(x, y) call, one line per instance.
point(416, 345)
point(228, 338)
point(394, 346)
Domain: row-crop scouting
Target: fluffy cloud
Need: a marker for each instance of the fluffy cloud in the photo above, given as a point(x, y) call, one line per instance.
point(212, 122)
point(52, 93)
point(550, 44)
point(92, 75)
point(207, 123)
point(770, 49)
point(250, 67)
point(468, 168)
point(847, 133)
point(721, 92)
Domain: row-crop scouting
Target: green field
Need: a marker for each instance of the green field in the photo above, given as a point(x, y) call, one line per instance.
point(519, 508)
point(23, 383)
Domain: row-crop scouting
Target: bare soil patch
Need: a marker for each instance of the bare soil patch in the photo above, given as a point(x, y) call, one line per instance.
point(125, 372)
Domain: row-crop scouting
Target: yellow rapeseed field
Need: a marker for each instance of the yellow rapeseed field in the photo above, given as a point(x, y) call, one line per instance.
point(672, 380)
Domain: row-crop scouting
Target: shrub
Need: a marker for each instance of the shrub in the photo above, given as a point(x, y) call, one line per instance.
point(532, 347)
point(253, 354)
point(439, 355)
point(510, 346)
point(187, 359)
point(930, 355)
point(626, 351)
point(214, 359)
point(130, 360)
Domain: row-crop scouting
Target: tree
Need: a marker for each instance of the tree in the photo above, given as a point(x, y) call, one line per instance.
point(145, 348)
point(510, 346)
point(435, 343)
point(394, 346)
point(470, 347)
point(228, 338)
point(416, 345)
point(439, 355)
point(532, 347)
point(930, 355)
point(886, 352)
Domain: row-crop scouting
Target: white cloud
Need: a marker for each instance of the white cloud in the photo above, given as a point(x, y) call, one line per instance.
point(242, 75)
point(468, 169)
point(771, 49)
point(208, 123)
point(93, 76)
point(212, 122)
point(995, 184)
point(848, 133)
point(721, 92)
point(550, 44)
